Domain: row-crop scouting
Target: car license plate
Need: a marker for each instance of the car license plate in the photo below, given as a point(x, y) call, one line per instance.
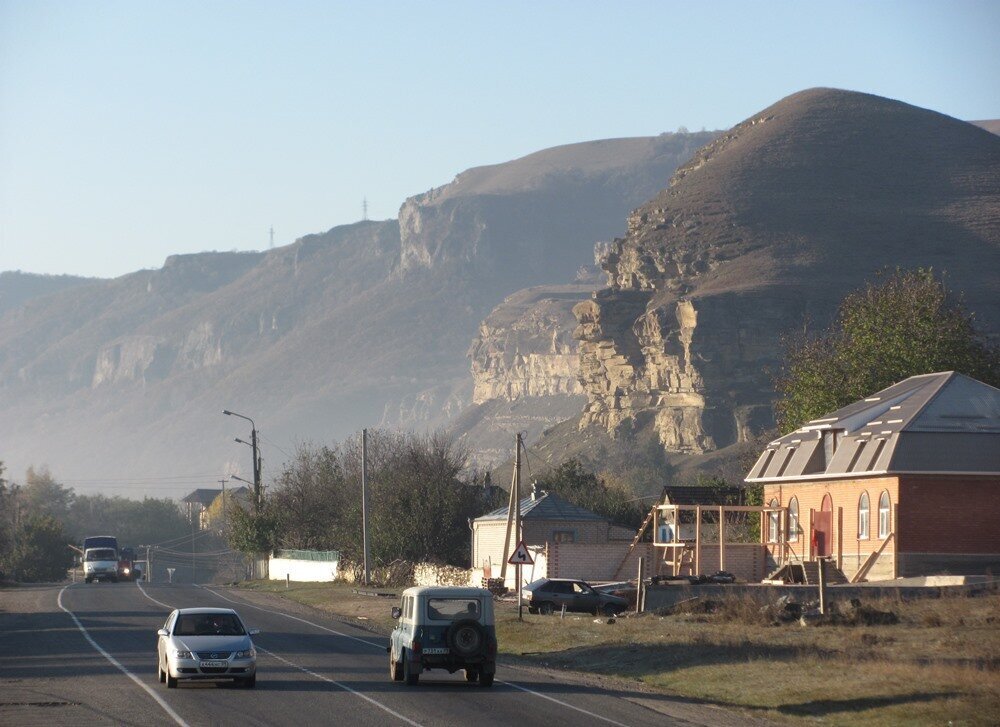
point(214, 663)
point(436, 651)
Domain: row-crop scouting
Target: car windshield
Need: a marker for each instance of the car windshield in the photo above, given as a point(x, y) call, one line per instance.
point(101, 554)
point(208, 624)
point(450, 609)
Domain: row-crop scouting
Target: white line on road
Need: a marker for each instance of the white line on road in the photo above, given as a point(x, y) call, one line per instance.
point(382, 647)
point(296, 666)
point(166, 707)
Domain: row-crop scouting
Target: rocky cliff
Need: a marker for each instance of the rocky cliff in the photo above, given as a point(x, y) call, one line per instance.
point(365, 324)
point(767, 227)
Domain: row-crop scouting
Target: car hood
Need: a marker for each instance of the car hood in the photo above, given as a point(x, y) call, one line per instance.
point(212, 643)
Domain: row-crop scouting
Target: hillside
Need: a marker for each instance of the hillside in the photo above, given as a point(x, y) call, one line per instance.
point(365, 324)
point(767, 227)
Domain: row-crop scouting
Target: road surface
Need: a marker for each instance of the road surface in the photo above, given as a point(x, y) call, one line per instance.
point(85, 655)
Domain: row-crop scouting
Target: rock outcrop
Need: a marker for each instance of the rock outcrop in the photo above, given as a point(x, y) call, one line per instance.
point(766, 228)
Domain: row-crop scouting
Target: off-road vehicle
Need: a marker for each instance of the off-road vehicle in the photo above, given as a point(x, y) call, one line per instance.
point(444, 627)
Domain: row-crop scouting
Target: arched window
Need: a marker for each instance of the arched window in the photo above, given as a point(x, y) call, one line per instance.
point(793, 519)
point(864, 516)
point(772, 522)
point(884, 516)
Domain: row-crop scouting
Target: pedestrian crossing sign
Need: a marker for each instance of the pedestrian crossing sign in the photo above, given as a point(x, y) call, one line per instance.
point(521, 556)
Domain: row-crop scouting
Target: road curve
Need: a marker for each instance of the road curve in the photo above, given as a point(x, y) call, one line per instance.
point(85, 655)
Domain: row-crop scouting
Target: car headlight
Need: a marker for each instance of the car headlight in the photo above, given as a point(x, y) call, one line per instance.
point(182, 654)
point(248, 654)
point(126, 571)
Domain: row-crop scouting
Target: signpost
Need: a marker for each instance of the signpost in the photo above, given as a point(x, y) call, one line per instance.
point(520, 557)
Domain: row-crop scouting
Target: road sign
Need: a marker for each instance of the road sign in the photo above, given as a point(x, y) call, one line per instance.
point(521, 556)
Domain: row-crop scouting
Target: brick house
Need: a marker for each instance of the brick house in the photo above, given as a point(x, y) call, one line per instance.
point(569, 541)
point(905, 482)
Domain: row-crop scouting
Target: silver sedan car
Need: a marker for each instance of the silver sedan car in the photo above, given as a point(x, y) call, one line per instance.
point(206, 644)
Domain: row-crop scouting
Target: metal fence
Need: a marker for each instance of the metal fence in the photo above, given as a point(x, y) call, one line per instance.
point(321, 555)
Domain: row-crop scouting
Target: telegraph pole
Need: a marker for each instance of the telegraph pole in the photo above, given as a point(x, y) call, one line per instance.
point(224, 520)
point(364, 499)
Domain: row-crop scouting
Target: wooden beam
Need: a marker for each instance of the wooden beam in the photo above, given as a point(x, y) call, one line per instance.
point(697, 540)
point(722, 538)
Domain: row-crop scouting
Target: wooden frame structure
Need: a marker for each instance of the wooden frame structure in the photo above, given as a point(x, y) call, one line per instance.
point(675, 550)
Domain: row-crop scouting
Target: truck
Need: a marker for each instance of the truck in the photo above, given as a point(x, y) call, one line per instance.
point(100, 558)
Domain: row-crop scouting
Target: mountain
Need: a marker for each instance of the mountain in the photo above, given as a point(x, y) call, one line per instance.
point(122, 382)
point(765, 229)
point(991, 125)
point(17, 288)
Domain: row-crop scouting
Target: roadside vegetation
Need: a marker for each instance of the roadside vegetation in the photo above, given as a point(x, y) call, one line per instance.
point(40, 518)
point(937, 665)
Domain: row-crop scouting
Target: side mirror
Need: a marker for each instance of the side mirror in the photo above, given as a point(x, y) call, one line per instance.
point(253, 632)
point(163, 632)
point(397, 612)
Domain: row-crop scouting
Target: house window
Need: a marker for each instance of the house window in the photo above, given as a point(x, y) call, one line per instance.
point(563, 536)
point(793, 520)
point(884, 516)
point(772, 522)
point(864, 516)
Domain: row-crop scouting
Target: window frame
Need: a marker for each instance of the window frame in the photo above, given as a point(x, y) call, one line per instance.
point(773, 522)
point(884, 515)
point(793, 520)
point(864, 516)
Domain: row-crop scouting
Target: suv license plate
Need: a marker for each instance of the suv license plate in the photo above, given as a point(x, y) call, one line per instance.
point(214, 663)
point(435, 651)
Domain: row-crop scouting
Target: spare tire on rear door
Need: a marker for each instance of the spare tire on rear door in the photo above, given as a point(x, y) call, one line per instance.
point(466, 638)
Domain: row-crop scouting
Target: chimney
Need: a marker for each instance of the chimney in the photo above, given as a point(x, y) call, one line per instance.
point(535, 492)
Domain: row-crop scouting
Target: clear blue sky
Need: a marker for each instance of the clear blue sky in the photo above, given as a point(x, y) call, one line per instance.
point(133, 130)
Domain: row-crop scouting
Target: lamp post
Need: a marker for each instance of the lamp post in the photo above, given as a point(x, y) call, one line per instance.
point(256, 457)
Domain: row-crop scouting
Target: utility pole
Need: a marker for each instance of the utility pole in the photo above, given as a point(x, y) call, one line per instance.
point(149, 567)
point(258, 495)
point(364, 499)
point(224, 520)
point(517, 519)
point(364, 209)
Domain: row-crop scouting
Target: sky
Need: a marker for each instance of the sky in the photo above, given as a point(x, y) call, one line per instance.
point(130, 131)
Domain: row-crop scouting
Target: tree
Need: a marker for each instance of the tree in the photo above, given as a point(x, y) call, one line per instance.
point(252, 532)
point(40, 552)
point(575, 484)
point(902, 325)
point(44, 496)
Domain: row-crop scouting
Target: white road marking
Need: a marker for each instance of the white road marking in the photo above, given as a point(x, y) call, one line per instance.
point(382, 646)
point(166, 707)
point(293, 664)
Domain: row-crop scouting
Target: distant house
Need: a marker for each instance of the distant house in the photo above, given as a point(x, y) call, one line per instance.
point(199, 501)
point(578, 543)
point(904, 482)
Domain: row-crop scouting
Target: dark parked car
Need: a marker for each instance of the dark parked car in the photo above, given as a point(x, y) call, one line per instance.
point(550, 594)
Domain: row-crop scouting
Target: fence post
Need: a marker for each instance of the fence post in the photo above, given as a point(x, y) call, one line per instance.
point(639, 585)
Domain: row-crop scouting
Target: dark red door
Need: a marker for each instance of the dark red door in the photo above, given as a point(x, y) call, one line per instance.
point(823, 529)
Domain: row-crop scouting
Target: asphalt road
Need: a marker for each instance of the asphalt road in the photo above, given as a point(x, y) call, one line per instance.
point(85, 655)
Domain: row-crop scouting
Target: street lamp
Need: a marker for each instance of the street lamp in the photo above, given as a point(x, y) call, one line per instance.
point(256, 456)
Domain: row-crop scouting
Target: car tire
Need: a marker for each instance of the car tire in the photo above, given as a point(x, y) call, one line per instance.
point(466, 638)
point(546, 608)
point(89, 580)
point(610, 609)
point(395, 669)
point(532, 609)
point(485, 680)
point(471, 675)
point(162, 675)
point(171, 682)
point(250, 682)
point(411, 675)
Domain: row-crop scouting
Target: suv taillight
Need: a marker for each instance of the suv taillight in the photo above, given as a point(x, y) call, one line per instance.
point(415, 647)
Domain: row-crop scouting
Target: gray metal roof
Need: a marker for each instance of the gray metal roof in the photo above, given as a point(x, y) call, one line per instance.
point(546, 506)
point(934, 423)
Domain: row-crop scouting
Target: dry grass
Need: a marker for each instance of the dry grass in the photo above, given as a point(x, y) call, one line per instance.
point(939, 665)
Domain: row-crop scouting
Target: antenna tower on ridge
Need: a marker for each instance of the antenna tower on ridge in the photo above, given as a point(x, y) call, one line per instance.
point(364, 209)
point(272, 236)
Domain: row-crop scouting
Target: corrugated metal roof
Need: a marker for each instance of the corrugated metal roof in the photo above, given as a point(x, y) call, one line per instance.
point(546, 506)
point(943, 422)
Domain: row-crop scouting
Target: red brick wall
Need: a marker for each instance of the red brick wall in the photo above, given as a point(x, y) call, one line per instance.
point(949, 514)
point(845, 494)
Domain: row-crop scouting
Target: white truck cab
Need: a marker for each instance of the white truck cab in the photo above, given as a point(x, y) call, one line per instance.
point(100, 564)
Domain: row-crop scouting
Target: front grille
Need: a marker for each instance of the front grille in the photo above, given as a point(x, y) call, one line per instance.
point(213, 654)
point(214, 670)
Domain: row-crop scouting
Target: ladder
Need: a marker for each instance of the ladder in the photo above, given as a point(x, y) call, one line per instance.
point(636, 539)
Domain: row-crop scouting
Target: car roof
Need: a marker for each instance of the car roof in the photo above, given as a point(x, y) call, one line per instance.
point(445, 591)
point(204, 610)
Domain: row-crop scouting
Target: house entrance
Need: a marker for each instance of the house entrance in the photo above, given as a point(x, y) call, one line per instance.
point(822, 536)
